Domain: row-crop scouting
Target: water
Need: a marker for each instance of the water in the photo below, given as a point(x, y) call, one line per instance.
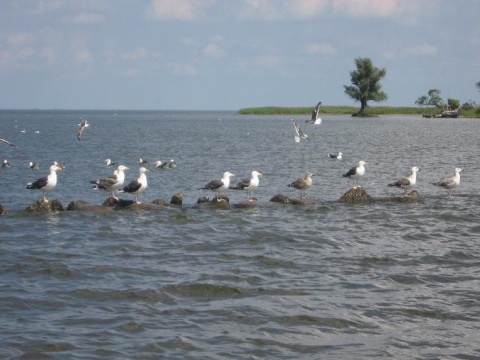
point(323, 280)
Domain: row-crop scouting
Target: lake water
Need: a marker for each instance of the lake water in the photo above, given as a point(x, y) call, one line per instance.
point(324, 280)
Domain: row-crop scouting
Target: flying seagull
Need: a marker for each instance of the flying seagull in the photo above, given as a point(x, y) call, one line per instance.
point(46, 183)
point(450, 183)
point(6, 142)
point(249, 185)
point(407, 182)
point(300, 133)
point(356, 172)
point(137, 186)
point(315, 119)
point(217, 186)
point(84, 124)
point(302, 184)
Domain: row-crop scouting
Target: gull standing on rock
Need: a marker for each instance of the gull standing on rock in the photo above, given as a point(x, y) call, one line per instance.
point(450, 183)
point(217, 186)
point(249, 185)
point(302, 184)
point(356, 172)
point(47, 183)
point(408, 181)
point(137, 186)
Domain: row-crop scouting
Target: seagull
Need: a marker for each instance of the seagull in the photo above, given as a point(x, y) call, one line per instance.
point(248, 185)
point(61, 166)
point(336, 156)
point(300, 133)
point(408, 181)
point(111, 183)
point(172, 164)
point(6, 142)
point(356, 172)
point(218, 186)
point(137, 186)
point(160, 165)
point(33, 165)
point(84, 124)
point(316, 120)
point(450, 183)
point(302, 184)
point(142, 162)
point(5, 164)
point(110, 162)
point(46, 183)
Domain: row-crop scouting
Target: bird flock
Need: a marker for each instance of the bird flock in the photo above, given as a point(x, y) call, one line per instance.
point(114, 183)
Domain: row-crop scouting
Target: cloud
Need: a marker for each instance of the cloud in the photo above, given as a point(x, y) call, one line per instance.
point(138, 54)
point(375, 8)
point(425, 50)
point(181, 69)
point(87, 18)
point(321, 48)
point(185, 10)
point(20, 38)
point(213, 50)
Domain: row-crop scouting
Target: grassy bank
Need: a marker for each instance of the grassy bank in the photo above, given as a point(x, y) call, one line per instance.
point(348, 110)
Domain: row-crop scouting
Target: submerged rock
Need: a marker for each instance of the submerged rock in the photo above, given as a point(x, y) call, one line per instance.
point(356, 196)
point(412, 197)
point(223, 203)
point(177, 199)
point(80, 205)
point(283, 199)
point(41, 206)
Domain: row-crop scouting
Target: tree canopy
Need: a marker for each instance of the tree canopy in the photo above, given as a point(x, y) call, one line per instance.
point(366, 83)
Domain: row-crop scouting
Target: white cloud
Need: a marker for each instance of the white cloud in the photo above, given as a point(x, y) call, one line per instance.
point(20, 38)
point(375, 8)
point(181, 69)
point(185, 10)
point(425, 50)
point(87, 18)
point(321, 48)
point(213, 50)
point(138, 54)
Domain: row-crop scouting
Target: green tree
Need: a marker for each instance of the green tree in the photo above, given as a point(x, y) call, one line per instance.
point(477, 85)
point(434, 98)
point(422, 101)
point(366, 83)
point(453, 104)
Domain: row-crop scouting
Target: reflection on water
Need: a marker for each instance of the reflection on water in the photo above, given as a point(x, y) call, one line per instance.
point(380, 280)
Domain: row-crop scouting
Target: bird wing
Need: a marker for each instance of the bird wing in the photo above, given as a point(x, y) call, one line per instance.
point(401, 183)
point(80, 129)
point(299, 131)
point(241, 185)
point(448, 182)
point(6, 142)
point(132, 187)
point(213, 185)
point(298, 184)
point(106, 183)
point(39, 183)
point(350, 172)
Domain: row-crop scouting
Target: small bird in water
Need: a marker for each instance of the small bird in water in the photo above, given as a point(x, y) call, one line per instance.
point(109, 162)
point(302, 184)
point(5, 164)
point(356, 172)
point(82, 126)
point(33, 165)
point(337, 156)
point(142, 162)
point(450, 183)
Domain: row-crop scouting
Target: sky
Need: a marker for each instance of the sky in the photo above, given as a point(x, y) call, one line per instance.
point(231, 54)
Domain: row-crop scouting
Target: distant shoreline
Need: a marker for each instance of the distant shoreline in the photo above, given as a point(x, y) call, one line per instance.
point(348, 110)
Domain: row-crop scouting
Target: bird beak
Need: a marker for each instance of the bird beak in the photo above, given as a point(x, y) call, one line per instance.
point(127, 168)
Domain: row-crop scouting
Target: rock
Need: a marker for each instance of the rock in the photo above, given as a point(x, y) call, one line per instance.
point(356, 196)
point(3, 211)
point(215, 204)
point(80, 205)
point(412, 197)
point(283, 199)
point(161, 202)
point(176, 199)
point(44, 207)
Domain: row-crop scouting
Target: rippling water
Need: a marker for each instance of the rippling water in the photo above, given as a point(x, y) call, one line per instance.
point(324, 280)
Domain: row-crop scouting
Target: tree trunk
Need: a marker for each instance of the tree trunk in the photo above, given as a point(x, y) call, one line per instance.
point(363, 105)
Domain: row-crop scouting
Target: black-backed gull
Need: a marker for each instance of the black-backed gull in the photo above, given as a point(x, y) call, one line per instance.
point(249, 185)
point(47, 183)
point(356, 172)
